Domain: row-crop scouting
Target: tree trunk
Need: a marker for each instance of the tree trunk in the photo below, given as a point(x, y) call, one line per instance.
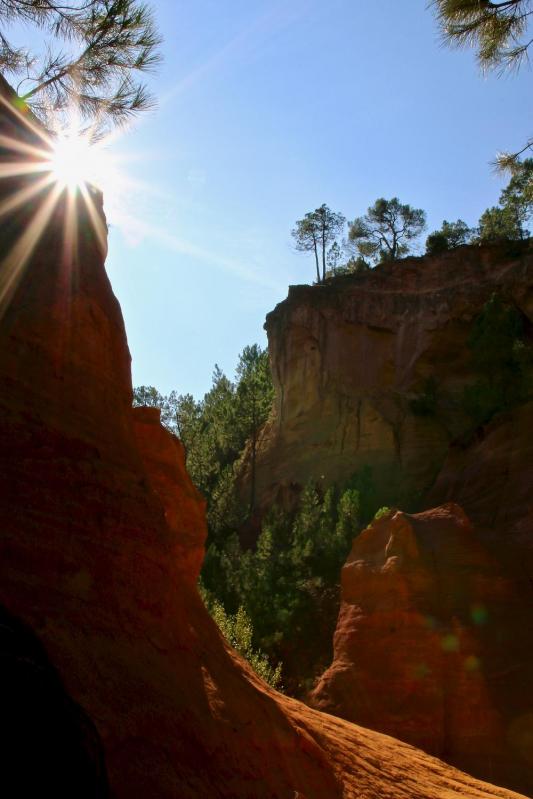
point(252, 476)
point(316, 261)
point(254, 452)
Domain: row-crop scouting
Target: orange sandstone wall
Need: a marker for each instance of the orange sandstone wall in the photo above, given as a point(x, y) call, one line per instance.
point(432, 645)
point(348, 358)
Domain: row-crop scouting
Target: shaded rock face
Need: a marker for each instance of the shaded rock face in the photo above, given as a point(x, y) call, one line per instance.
point(163, 457)
point(432, 645)
point(492, 477)
point(100, 540)
point(350, 357)
point(49, 744)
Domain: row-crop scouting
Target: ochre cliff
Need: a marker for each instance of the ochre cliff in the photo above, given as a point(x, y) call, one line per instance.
point(349, 357)
point(101, 538)
point(432, 645)
point(350, 360)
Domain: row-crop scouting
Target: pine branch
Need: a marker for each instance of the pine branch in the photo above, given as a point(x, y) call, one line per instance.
point(115, 39)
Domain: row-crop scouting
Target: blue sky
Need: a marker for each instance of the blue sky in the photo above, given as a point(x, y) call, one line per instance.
point(266, 110)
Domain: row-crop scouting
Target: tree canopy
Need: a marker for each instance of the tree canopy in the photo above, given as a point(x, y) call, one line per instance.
point(508, 220)
point(254, 395)
point(518, 194)
point(94, 50)
point(216, 429)
point(315, 232)
point(388, 230)
point(450, 235)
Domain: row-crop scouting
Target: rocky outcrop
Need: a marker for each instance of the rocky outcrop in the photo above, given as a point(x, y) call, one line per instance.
point(432, 645)
point(100, 539)
point(163, 457)
point(351, 358)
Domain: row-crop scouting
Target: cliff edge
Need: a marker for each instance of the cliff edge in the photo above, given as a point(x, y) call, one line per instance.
point(353, 361)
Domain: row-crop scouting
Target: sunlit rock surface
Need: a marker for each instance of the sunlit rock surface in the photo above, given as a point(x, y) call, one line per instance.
point(349, 357)
point(432, 645)
point(99, 555)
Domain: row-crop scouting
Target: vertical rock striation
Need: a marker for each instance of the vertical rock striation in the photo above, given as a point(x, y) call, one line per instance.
point(350, 357)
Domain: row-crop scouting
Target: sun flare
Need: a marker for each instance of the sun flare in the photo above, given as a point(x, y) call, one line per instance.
point(61, 168)
point(76, 161)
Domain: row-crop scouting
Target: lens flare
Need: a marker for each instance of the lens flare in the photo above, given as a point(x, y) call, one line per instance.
point(75, 161)
point(63, 166)
point(54, 168)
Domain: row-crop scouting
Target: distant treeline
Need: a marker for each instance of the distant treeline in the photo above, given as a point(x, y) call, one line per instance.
point(390, 229)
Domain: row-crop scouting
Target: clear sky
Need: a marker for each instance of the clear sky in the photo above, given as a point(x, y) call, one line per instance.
point(266, 110)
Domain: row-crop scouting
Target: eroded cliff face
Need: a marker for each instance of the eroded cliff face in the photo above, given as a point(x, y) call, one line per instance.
point(492, 476)
point(432, 645)
point(101, 541)
point(349, 357)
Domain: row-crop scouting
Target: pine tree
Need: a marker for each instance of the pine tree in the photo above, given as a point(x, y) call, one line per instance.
point(315, 232)
point(387, 230)
point(498, 31)
point(93, 53)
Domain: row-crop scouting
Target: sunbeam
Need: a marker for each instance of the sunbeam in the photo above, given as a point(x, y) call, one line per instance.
point(13, 264)
point(97, 222)
point(38, 170)
point(24, 195)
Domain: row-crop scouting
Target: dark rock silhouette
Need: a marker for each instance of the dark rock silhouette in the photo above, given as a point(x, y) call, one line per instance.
point(50, 747)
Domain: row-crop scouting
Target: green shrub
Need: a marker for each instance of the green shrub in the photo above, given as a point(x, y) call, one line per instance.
point(357, 265)
point(237, 629)
point(451, 235)
point(379, 514)
point(289, 584)
point(436, 243)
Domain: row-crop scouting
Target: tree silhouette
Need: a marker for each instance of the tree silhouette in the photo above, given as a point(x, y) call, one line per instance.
point(315, 232)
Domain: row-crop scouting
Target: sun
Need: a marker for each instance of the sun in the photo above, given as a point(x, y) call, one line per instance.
point(76, 161)
point(68, 167)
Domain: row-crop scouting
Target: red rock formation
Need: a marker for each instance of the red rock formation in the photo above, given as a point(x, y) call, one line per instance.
point(431, 645)
point(100, 548)
point(364, 347)
point(164, 460)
